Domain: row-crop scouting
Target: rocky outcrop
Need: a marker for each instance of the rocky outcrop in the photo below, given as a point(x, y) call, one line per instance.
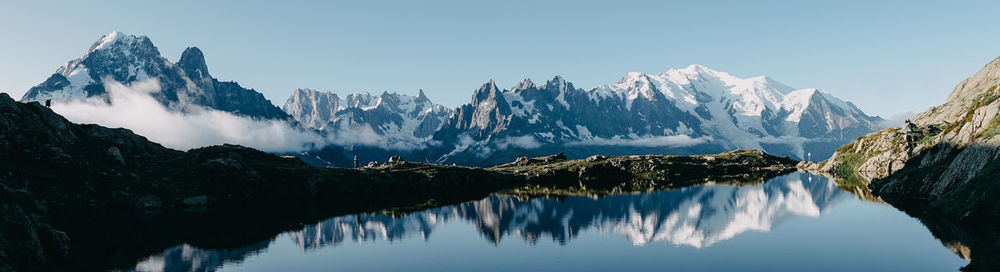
point(877, 155)
point(951, 146)
point(949, 159)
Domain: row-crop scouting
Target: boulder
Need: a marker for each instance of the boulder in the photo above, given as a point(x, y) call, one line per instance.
point(596, 158)
point(558, 157)
point(395, 159)
point(522, 161)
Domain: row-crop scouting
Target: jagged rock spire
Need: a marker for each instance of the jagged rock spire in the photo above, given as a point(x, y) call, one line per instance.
point(193, 63)
point(524, 85)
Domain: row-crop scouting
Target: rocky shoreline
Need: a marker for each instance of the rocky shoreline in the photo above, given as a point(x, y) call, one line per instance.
point(947, 159)
point(86, 196)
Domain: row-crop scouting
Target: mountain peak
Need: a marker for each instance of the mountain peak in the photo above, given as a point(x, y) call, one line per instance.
point(421, 96)
point(698, 69)
point(117, 38)
point(107, 40)
point(630, 77)
point(557, 82)
point(193, 63)
point(524, 85)
point(487, 92)
point(488, 87)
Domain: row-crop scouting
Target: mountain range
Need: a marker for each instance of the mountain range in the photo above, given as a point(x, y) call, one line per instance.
point(681, 111)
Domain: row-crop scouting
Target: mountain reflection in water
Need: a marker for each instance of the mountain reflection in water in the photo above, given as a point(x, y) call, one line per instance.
point(694, 216)
point(697, 217)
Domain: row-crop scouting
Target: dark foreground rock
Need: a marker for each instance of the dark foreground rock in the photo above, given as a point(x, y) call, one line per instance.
point(86, 197)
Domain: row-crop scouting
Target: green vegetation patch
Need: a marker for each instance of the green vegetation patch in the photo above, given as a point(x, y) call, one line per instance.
point(927, 136)
point(993, 129)
point(848, 168)
point(981, 101)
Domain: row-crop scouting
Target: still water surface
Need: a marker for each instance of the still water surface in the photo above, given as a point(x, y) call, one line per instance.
point(796, 222)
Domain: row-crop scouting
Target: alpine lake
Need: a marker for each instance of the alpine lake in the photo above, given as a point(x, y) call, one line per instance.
point(793, 222)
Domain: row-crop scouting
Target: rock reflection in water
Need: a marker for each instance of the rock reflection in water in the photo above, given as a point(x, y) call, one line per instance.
point(189, 258)
point(695, 216)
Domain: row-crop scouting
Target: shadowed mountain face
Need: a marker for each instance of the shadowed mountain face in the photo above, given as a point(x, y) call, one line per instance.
point(125, 58)
point(698, 217)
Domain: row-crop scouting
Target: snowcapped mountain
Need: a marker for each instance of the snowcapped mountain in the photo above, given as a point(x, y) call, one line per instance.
point(681, 111)
point(127, 58)
point(397, 117)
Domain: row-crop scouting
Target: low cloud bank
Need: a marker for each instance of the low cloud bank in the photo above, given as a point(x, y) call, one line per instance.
point(652, 141)
point(526, 142)
point(133, 107)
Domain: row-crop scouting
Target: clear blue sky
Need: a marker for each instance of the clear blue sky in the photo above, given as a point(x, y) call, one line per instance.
point(887, 57)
